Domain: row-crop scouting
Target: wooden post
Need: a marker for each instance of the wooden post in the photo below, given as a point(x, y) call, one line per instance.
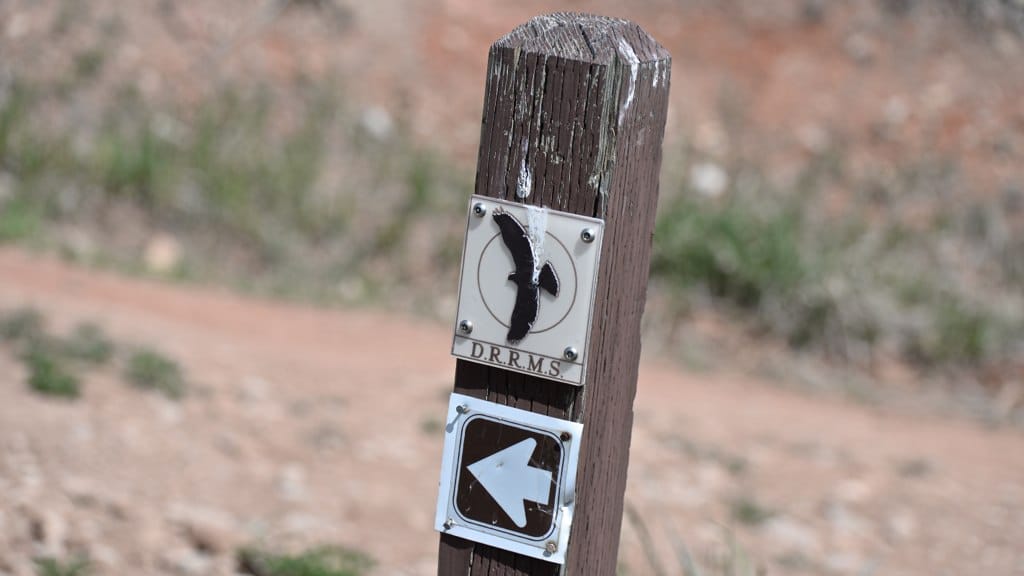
point(574, 114)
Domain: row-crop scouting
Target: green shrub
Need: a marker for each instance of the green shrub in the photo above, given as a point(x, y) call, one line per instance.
point(322, 561)
point(20, 219)
point(151, 370)
point(746, 510)
point(960, 333)
point(431, 426)
point(750, 255)
point(48, 375)
point(843, 283)
point(56, 567)
point(732, 248)
point(88, 343)
point(21, 325)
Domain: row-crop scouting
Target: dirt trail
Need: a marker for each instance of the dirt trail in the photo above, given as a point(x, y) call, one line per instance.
point(306, 426)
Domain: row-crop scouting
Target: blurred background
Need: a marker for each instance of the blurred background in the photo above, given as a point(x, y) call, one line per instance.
point(230, 235)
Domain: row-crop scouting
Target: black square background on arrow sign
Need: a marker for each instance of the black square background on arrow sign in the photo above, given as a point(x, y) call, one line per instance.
point(484, 437)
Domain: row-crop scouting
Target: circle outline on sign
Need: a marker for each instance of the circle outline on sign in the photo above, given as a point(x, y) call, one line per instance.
point(575, 284)
point(562, 464)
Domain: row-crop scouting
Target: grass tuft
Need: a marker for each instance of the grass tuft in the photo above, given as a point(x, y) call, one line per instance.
point(431, 426)
point(47, 373)
point(52, 361)
point(268, 190)
point(55, 567)
point(21, 325)
point(962, 332)
point(321, 561)
point(737, 252)
point(727, 558)
point(88, 343)
point(20, 219)
point(915, 468)
point(849, 284)
point(749, 512)
point(150, 370)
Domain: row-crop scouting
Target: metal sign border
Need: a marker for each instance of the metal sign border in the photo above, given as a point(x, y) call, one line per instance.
point(585, 360)
point(565, 494)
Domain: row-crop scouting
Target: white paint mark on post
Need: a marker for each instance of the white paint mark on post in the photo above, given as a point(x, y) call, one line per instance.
point(661, 70)
point(634, 67)
point(525, 184)
point(537, 228)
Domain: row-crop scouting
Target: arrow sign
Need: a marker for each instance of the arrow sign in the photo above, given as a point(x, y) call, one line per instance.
point(509, 479)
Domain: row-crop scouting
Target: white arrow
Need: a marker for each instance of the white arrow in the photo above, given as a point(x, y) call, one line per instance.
point(509, 479)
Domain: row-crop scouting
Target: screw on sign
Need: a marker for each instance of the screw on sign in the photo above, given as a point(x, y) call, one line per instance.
point(551, 294)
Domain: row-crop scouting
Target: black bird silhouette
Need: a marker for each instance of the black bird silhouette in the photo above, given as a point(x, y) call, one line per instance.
point(518, 242)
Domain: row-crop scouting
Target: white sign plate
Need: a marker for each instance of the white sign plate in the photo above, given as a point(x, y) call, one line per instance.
point(508, 478)
point(526, 293)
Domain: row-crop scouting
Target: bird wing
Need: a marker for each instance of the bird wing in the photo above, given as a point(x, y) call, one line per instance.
point(524, 314)
point(516, 240)
point(548, 280)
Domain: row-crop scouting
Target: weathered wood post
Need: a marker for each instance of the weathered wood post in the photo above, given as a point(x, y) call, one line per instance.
point(573, 120)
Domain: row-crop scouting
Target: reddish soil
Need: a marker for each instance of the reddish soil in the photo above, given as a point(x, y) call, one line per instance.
point(306, 426)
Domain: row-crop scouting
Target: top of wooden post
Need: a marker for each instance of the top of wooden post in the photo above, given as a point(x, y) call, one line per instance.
point(586, 38)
